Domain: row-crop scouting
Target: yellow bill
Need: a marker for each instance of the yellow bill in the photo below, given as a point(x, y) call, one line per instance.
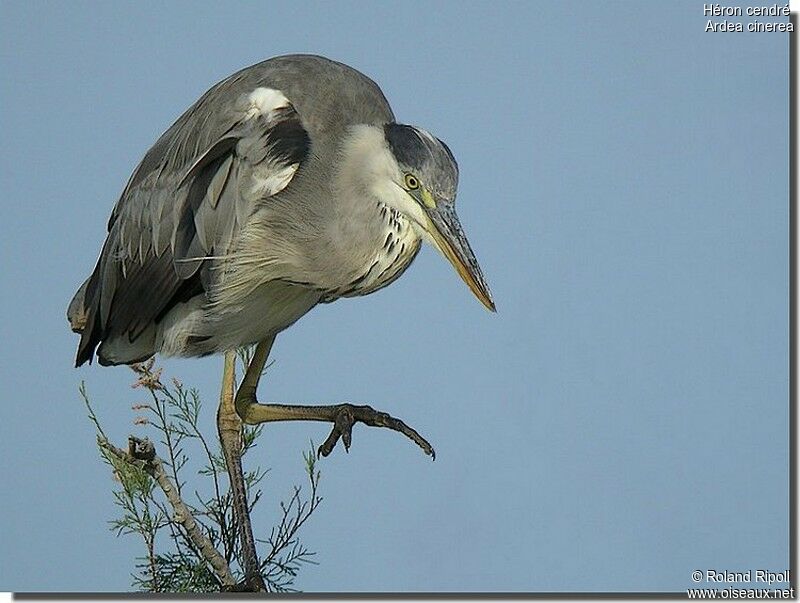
point(445, 229)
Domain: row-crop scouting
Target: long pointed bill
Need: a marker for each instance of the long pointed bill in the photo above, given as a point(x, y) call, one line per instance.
point(449, 236)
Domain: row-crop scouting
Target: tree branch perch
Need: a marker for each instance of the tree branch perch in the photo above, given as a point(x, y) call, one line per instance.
point(142, 454)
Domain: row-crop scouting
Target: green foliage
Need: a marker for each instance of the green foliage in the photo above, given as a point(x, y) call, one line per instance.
point(172, 561)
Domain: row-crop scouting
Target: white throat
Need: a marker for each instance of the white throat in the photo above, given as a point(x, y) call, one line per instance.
point(368, 171)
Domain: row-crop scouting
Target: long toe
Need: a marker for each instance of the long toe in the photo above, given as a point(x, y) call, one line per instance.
point(346, 415)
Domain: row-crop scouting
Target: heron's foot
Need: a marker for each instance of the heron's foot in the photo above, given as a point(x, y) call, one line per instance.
point(343, 417)
point(347, 415)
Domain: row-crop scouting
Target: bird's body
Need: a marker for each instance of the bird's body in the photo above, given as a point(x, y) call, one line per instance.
point(280, 188)
point(215, 186)
point(286, 185)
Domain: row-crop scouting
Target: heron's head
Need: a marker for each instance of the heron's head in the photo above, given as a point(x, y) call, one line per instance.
point(414, 172)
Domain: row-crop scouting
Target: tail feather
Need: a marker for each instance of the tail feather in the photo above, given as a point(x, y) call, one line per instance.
point(76, 312)
point(83, 321)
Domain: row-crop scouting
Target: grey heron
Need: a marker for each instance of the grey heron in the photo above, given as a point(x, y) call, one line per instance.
point(286, 185)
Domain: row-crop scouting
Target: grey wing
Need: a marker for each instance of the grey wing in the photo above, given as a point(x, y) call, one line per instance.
point(186, 201)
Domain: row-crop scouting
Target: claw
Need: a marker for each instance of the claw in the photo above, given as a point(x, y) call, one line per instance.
point(327, 446)
point(348, 415)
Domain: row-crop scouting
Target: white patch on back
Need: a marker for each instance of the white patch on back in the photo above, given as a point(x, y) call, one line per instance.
point(262, 101)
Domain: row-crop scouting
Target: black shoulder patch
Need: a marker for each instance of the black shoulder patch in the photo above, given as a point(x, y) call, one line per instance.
point(288, 138)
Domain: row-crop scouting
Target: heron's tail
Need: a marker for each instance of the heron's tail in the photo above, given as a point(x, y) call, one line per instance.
point(76, 312)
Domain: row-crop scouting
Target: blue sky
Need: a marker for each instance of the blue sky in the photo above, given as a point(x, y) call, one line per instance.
point(621, 421)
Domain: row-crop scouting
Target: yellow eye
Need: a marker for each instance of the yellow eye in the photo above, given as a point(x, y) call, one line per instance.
point(411, 182)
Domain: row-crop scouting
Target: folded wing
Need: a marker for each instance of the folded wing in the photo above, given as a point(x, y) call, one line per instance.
point(185, 203)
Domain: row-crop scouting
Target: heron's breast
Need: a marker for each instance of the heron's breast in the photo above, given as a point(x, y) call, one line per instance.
point(394, 244)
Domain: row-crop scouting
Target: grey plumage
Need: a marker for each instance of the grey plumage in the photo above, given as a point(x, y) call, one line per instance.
point(272, 193)
point(286, 185)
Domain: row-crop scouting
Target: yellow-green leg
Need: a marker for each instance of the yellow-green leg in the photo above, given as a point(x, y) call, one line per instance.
point(244, 407)
point(343, 416)
point(230, 434)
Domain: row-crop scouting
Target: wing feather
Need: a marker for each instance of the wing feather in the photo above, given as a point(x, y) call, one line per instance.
point(188, 200)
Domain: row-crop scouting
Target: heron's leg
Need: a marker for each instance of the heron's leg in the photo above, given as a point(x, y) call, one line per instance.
point(343, 416)
point(230, 434)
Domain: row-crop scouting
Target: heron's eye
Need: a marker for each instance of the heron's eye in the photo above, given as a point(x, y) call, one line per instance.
point(411, 182)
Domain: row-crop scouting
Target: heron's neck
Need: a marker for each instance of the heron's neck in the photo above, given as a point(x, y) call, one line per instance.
point(363, 160)
point(363, 241)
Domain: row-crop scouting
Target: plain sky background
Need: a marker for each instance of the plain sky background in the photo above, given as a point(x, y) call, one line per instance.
point(621, 421)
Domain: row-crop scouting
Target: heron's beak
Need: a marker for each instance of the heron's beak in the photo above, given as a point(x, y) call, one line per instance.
point(446, 231)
